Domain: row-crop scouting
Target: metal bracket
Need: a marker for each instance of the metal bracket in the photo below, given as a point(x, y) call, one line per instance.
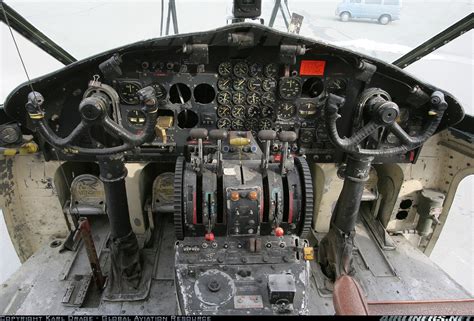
point(288, 53)
point(198, 53)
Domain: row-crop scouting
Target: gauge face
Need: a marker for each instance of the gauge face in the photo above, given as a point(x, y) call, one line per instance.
point(290, 87)
point(269, 84)
point(224, 98)
point(136, 117)
point(253, 98)
point(267, 111)
point(9, 135)
point(306, 136)
point(268, 99)
point(255, 69)
point(255, 83)
point(160, 91)
point(271, 70)
point(238, 111)
point(224, 123)
point(265, 123)
point(238, 98)
point(286, 111)
point(251, 124)
point(128, 92)
point(225, 68)
point(239, 83)
point(238, 124)
point(253, 111)
point(337, 86)
point(224, 111)
point(307, 109)
point(224, 83)
point(241, 69)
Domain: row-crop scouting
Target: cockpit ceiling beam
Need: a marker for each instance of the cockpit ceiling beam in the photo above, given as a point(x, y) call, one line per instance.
point(442, 38)
point(30, 32)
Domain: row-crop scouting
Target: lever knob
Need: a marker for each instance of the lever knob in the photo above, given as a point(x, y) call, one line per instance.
point(218, 134)
point(267, 135)
point(198, 133)
point(287, 137)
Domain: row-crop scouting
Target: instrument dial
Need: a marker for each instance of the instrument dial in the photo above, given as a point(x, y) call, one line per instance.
point(224, 83)
point(239, 83)
point(251, 124)
point(306, 136)
point(253, 98)
point(128, 92)
point(255, 69)
point(225, 68)
point(307, 109)
point(267, 111)
point(269, 84)
point(238, 124)
point(136, 117)
point(9, 135)
point(271, 70)
point(160, 91)
point(255, 84)
point(290, 87)
point(286, 111)
point(265, 123)
point(253, 111)
point(268, 99)
point(337, 86)
point(224, 98)
point(224, 123)
point(224, 111)
point(241, 69)
point(238, 111)
point(238, 98)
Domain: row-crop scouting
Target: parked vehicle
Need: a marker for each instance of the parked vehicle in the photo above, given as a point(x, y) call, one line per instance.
point(384, 11)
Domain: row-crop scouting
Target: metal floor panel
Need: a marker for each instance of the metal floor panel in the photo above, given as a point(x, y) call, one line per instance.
point(37, 288)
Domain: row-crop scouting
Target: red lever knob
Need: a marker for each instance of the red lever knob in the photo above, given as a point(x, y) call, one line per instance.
point(209, 236)
point(279, 231)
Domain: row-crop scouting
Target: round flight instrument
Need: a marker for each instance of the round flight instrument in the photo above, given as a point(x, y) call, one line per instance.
point(265, 123)
point(337, 86)
point(271, 70)
point(241, 69)
point(224, 123)
point(267, 111)
point(238, 124)
point(253, 111)
point(268, 99)
point(224, 98)
point(239, 83)
point(307, 109)
point(269, 84)
point(253, 98)
point(136, 117)
point(224, 111)
point(306, 136)
point(290, 87)
point(238, 98)
point(255, 84)
point(9, 135)
point(225, 68)
point(160, 91)
point(251, 124)
point(128, 92)
point(255, 69)
point(238, 111)
point(224, 83)
point(286, 110)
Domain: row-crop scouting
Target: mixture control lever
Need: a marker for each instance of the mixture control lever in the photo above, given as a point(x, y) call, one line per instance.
point(286, 137)
point(219, 135)
point(266, 136)
point(199, 134)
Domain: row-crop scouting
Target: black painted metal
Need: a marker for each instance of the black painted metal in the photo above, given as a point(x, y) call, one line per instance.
point(439, 40)
point(30, 32)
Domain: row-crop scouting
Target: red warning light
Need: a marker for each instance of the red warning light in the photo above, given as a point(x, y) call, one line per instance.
point(312, 67)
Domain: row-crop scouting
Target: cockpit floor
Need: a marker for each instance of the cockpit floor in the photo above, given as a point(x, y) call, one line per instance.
point(40, 285)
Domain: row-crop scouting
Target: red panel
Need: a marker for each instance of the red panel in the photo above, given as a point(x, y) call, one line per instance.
point(312, 67)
